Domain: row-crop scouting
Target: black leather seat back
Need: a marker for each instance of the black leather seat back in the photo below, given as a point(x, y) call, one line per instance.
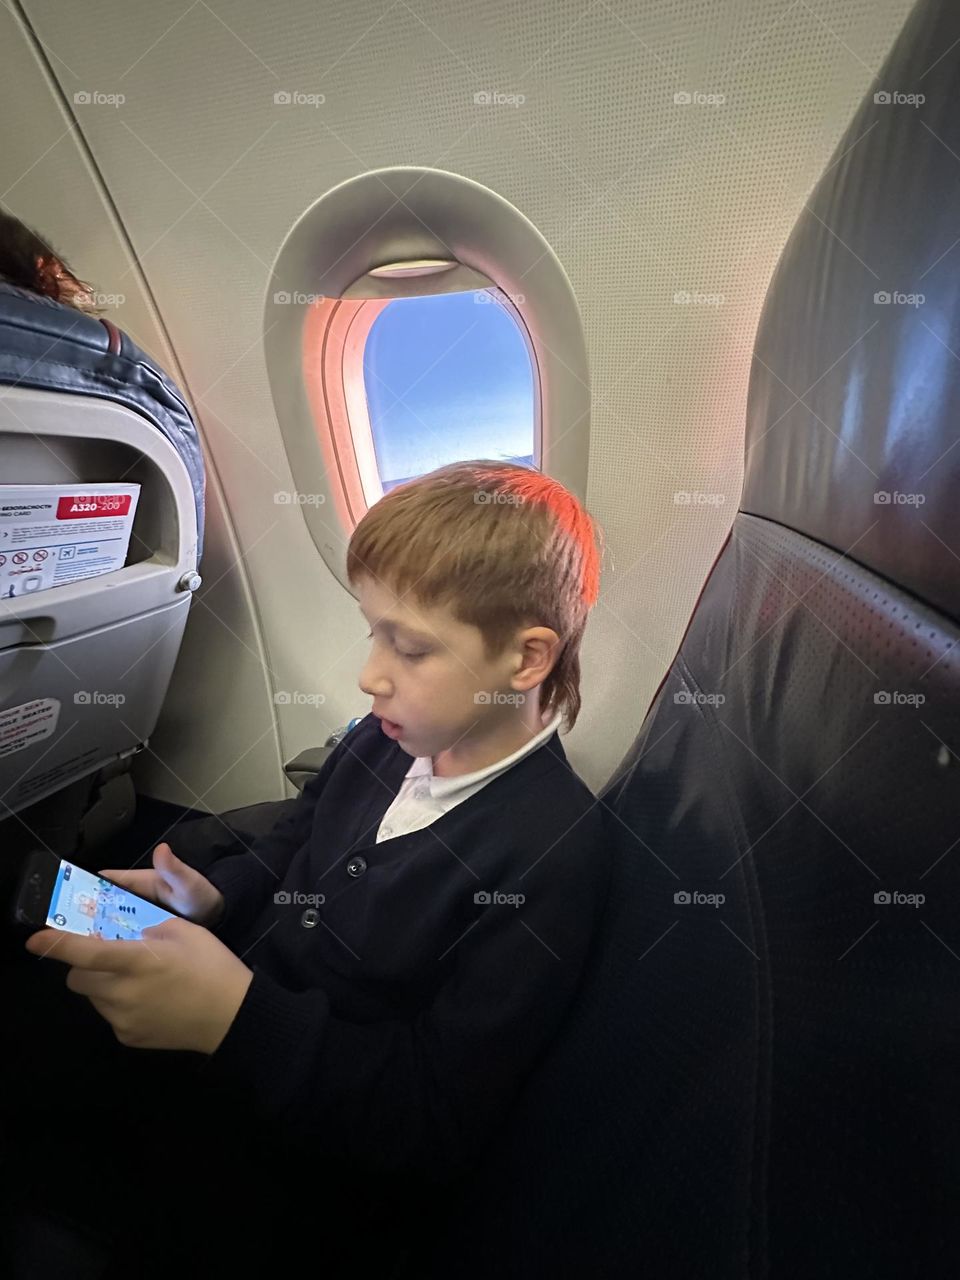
point(759, 1078)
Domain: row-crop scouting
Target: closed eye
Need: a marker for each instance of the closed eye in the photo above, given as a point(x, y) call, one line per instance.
point(412, 657)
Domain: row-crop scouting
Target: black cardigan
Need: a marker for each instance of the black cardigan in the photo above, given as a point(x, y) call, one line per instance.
point(393, 1013)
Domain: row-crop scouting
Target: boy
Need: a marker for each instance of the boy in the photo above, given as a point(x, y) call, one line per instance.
point(374, 980)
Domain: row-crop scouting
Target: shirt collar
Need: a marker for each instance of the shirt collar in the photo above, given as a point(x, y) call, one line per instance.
point(444, 787)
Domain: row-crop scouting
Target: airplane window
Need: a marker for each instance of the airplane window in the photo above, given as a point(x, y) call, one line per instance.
point(390, 356)
point(447, 377)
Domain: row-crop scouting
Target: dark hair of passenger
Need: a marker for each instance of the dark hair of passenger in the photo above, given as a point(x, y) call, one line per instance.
point(29, 262)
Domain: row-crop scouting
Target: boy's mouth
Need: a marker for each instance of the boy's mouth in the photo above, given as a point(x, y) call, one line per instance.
point(391, 729)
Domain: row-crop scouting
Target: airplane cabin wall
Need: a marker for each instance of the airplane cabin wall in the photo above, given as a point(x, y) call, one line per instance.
point(47, 179)
point(668, 217)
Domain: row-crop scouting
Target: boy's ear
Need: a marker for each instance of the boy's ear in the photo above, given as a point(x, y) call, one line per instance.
point(540, 649)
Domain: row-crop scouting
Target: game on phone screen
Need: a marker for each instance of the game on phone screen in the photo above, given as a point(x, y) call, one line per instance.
point(82, 902)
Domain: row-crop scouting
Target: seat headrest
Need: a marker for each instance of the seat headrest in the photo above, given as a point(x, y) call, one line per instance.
point(853, 420)
point(53, 347)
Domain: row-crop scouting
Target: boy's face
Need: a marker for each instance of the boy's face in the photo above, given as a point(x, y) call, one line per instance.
point(428, 673)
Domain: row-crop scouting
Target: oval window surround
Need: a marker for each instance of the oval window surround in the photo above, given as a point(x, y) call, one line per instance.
point(388, 219)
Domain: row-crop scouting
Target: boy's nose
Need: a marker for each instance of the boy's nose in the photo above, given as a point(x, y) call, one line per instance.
point(371, 683)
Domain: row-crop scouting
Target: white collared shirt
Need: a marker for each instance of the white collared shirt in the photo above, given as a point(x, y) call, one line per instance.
point(423, 797)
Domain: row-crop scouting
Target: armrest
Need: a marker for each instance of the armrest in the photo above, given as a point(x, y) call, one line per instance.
point(304, 766)
point(310, 761)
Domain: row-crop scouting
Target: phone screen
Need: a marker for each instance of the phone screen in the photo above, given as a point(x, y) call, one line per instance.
point(82, 902)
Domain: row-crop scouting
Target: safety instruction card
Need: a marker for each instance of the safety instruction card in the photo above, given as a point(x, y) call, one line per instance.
point(52, 534)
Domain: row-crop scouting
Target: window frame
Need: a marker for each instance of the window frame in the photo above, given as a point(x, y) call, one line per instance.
point(394, 215)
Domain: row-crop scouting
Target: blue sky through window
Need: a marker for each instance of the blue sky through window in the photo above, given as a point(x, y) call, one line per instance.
point(447, 378)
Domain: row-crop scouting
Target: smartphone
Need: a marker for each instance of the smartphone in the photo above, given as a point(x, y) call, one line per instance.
point(61, 895)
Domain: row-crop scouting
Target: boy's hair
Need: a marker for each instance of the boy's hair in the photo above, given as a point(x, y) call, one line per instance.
point(502, 545)
point(29, 262)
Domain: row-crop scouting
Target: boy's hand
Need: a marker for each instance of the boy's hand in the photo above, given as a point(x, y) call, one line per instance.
point(180, 988)
point(172, 884)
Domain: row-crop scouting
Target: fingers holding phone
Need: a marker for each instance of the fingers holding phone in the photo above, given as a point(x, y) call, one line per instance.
point(171, 883)
point(63, 896)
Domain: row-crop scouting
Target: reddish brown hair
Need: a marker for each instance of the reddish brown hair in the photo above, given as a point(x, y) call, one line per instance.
point(29, 262)
point(502, 546)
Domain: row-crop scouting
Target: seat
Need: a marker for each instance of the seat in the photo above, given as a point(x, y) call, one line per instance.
point(759, 1076)
point(81, 404)
point(52, 347)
